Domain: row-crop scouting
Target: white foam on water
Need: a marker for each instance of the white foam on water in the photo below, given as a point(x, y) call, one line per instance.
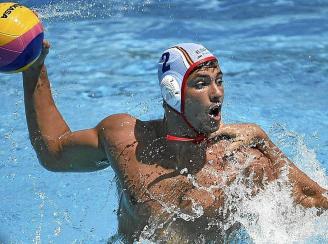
point(305, 158)
point(271, 217)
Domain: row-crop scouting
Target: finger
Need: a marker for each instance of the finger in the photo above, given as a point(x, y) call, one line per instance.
point(44, 53)
point(46, 44)
point(45, 48)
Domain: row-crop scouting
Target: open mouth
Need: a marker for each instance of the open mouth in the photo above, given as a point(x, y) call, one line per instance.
point(215, 110)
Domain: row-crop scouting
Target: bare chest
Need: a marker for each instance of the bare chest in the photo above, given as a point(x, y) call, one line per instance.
point(148, 181)
point(153, 191)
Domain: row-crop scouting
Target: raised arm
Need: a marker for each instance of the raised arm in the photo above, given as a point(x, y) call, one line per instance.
point(57, 148)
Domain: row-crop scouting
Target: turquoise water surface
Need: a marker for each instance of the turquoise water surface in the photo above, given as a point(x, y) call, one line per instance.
point(103, 60)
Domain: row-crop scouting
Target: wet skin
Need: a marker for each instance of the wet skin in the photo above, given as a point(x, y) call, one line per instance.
point(204, 89)
point(153, 173)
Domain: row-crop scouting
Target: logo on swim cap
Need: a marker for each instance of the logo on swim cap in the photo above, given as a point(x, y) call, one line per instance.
point(174, 67)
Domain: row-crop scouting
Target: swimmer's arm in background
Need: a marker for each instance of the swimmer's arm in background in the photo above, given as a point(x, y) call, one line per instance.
point(58, 149)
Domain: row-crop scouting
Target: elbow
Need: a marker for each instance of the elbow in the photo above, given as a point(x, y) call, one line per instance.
point(50, 164)
point(49, 155)
point(51, 160)
point(50, 168)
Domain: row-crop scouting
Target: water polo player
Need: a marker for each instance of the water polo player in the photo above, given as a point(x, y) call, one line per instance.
point(174, 172)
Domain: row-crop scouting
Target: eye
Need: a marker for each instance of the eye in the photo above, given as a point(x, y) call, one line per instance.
point(219, 81)
point(199, 84)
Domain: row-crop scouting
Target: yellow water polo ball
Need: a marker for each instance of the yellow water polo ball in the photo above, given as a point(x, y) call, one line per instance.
point(21, 37)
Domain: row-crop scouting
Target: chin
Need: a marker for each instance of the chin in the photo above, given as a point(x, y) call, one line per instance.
point(214, 129)
point(210, 128)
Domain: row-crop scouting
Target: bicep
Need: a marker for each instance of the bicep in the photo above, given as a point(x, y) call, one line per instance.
point(84, 150)
point(79, 151)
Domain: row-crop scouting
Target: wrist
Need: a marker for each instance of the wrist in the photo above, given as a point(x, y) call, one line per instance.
point(32, 77)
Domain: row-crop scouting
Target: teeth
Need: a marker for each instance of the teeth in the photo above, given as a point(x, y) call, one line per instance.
point(214, 111)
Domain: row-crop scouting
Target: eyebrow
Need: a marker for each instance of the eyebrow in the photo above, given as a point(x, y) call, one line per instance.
point(205, 75)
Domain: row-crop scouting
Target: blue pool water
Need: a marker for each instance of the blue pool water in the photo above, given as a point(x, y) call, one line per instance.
point(103, 60)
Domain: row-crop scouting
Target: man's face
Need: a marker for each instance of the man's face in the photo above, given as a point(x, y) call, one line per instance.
point(203, 99)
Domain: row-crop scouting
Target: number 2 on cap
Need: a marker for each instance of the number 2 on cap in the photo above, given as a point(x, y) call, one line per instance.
point(165, 58)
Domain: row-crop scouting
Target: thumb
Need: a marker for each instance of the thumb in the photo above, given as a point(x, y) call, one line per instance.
point(44, 51)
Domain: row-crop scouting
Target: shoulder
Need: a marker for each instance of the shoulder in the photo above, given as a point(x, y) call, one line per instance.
point(125, 127)
point(117, 122)
point(117, 127)
point(245, 129)
point(251, 127)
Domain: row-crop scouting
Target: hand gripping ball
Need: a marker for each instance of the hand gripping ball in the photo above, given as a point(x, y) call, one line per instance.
point(21, 37)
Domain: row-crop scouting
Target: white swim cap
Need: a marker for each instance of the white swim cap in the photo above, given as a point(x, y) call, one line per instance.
point(174, 68)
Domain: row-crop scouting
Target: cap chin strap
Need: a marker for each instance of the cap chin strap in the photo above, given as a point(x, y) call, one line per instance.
point(197, 140)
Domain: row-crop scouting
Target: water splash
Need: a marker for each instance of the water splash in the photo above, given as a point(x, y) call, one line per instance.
point(271, 215)
point(305, 158)
point(68, 10)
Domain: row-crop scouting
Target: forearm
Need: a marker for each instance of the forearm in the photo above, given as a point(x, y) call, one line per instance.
point(305, 191)
point(45, 123)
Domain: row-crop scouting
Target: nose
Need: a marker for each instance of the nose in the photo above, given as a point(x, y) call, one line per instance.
point(216, 92)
